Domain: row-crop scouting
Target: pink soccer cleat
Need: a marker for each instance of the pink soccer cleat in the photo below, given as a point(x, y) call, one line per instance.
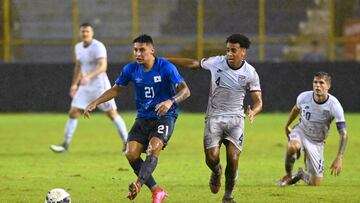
point(159, 195)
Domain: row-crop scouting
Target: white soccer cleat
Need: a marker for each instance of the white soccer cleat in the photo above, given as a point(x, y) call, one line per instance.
point(58, 149)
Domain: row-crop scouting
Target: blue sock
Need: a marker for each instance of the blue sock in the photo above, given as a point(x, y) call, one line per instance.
point(147, 168)
point(136, 165)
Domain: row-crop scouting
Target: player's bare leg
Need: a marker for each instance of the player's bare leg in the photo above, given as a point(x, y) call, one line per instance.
point(70, 128)
point(291, 155)
point(120, 125)
point(231, 171)
point(212, 156)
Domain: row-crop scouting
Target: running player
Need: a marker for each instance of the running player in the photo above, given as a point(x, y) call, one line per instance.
point(156, 81)
point(231, 78)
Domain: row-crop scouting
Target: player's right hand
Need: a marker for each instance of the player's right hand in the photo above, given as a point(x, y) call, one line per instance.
point(251, 114)
point(88, 109)
point(73, 90)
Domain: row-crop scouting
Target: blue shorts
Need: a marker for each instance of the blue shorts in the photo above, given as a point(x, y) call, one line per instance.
point(144, 129)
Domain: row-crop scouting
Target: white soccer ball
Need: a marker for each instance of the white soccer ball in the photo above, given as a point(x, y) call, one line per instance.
point(57, 195)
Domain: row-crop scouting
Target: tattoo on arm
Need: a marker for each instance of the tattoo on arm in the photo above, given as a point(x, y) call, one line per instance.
point(183, 92)
point(342, 141)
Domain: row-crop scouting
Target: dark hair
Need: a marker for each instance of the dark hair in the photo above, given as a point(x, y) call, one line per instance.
point(86, 25)
point(324, 75)
point(144, 38)
point(240, 39)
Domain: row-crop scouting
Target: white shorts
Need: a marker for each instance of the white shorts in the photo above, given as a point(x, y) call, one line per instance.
point(314, 152)
point(84, 96)
point(219, 128)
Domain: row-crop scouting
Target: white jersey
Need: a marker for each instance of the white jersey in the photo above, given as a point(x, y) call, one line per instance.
point(228, 87)
point(315, 118)
point(88, 57)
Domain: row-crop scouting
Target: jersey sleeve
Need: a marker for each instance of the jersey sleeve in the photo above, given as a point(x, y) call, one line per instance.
point(208, 63)
point(124, 77)
point(255, 82)
point(76, 51)
point(299, 100)
point(100, 51)
point(337, 111)
point(173, 74)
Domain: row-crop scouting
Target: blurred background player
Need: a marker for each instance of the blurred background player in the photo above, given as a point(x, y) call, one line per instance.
point(317, 109)
point(89, 82)
point(155, 80)
point(231, 78)
point(315, 54)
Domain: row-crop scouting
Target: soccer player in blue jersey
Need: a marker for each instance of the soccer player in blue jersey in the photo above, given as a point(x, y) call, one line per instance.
point(159, 88)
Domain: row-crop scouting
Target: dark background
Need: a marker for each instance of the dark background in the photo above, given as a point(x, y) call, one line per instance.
point(45, 87)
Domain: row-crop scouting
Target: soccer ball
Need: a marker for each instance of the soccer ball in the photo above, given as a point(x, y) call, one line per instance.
point(57, 195)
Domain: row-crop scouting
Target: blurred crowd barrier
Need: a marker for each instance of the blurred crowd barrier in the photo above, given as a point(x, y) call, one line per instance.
point(280, 30)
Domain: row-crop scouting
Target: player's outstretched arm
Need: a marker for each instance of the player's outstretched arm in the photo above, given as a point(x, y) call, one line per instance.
point(186, 62)
point(257, 107)
point(106, 96)
point(182, 94)
point(292, 116)
point(336, 166)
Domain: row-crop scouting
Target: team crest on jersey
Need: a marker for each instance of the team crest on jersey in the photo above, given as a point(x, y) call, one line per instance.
point(219, 71)
point(242, 79)
point(157, 78)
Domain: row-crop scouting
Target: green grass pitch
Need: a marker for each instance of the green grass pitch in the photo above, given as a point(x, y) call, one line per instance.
point(94, 170)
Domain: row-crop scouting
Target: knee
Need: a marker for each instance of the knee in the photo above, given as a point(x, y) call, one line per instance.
point(74, 113)
point(155, 146)
point(233, 158)
point(112, 114)
point(212, 156)
point(131, 155)
point(293, 147)
point(315, 181)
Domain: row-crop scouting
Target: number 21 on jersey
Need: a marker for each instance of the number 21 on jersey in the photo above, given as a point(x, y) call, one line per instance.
point(149, 92)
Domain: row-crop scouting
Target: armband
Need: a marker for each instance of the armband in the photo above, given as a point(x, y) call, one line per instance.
point(340, 125)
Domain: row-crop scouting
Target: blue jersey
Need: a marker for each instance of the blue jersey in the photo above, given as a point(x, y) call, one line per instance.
point(152, 87)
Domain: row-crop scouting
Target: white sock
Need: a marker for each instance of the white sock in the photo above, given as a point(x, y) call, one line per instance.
point(121, 127)
point(70, 128)
point(306, 178)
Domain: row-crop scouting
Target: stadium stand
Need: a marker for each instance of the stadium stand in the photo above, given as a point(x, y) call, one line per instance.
point(166, 20)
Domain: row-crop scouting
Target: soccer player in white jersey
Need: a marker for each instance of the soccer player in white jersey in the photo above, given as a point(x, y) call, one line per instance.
point(317, 109)
point(231, 78)
point(89, 82)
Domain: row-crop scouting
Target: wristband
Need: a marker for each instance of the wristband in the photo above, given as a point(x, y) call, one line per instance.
point(172, 99)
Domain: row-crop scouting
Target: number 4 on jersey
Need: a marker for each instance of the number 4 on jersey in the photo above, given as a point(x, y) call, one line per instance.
point(217, 82)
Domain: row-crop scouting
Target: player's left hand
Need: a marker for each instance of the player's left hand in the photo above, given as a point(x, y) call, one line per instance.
point(85, 80)
point(336, 166)
point(163, 107)
point(250, 114)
